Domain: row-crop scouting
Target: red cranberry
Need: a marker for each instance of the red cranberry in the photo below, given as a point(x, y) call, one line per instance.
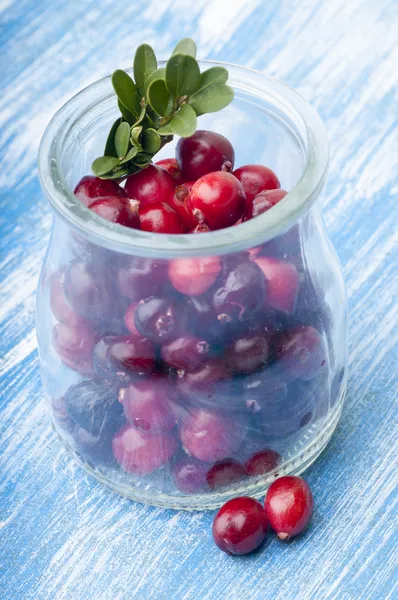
point(160, 218)
point(89, 188)
point(149, 186)
point(282, 283)
point(147, 405)
point(301, 352)
point(59, 303)
point(179, 202)
point(74, 345)
point(204, 152)
point(117, 210)
point(217, 199)
point(247, 354)
point(262, 202)
point(206, 377)
point(132, 354)
point(88, 288)
point(189, 475)
point(142, 277)
point(171, 166)
point(240, 526)
point(186, 352)
point(262, 462)
point(288, 505)
point(255, 179)
point(210, 436)
point(142, 453)
point(158, 319)
point(224, 473)
point(194, 276)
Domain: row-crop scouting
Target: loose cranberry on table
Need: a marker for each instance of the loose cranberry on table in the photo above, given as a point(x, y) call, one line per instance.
point(247, 354)
point(117, 210)
point(240, 526)
point(194, 276)
point(255, 179)
point(282, 283)
point(159, 217)
point(159, 319)
point(186, 352)
point(179, 201)
point(189, 475)
point(171, 166)
point(140, 452)
point(217, 199)
point(288, 506)
point(74, 345)
point(300, 352)
point(89, 188)
point(151, 185)
point(204, 152)
point(147, 404)
point(262, 202)
point(225, 473)
point(262, 462)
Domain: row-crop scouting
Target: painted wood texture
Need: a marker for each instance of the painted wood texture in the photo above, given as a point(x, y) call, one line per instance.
point(62, 535)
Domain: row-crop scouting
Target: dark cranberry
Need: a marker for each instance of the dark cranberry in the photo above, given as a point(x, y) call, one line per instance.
point(206, 377)
point(255, 179)
point(262, 462)
point(240, 526)
point(217, 199)
point(151, 185)
point(189, 475)
point(282, 283)
point(186, 352)
point(288, 505)
point(210, 436)
point(202, 317)
point(59, 304)
point(102, 368)
point(158, 319)
point(262, 202)
point(247, 354)
point(93, 449)
point(241, 293)
point(171, 166)
point(142, 453)
point(94, 407)
point(285, 246)
point(262, 391)
point(224, 473)
point(74, 345)
point(142, 277)
point(89, 290)
point(117, 210)
point(147, 405)
point(89, 188)
point(179, 202)
point(60, 415)
point(300, 352)
point(204, 152)
point(132, 354)
point(161, 218)
point(194, 276)
point(129, 319)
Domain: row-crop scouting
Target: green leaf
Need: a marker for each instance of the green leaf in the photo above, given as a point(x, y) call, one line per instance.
point(182, 75)
point(122, 138)
point(213, 75)
point(213, 98)
point(104, 164)
point(120, 173)
point(183, 123)
point(151, 141)
point(127, 115)
point(158, 74)
point(144, 65)
point(141, 116)
point(135, 137)
point(159, 97)
point(166, 130)
point(186, 46)
point(110, 149)
point(126, 91)
point(130, 154)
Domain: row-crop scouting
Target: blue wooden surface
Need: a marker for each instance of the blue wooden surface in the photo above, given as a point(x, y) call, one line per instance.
point(63, 536)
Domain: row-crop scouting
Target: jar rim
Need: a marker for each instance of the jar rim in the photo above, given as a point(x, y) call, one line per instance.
point(232, 239)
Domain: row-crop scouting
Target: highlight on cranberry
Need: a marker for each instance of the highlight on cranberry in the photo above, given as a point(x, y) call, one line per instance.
point(289, 505)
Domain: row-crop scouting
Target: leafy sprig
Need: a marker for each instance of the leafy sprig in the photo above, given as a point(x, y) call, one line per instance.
point(158, 104)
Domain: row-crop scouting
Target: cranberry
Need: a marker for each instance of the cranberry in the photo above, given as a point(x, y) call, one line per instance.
point(89, 188)
point(194, 276)
point(147, 405)
point(149, 186)
point(129, 319)
point(241, 293)
point(263, 390)
point(186, 352)
point(189, 475)
point(240, 526)
point(210, 436)
point(255, 179)
point(247, 354)
point(60, 415)
point(179, 202)
point(117, 210)
point(88, 288)
point(59, 304)
point(300, 352)
point(93, 449)
point(158, 319)
point(288, 505)
point(141, 453)
point(142, 277)
point(132, 354)
point(262, 462)
point(217, 199)
point(171, 166)
point(204, 152)
point(94, 407)
point(202, 319)
point(262, 202)
point(74, 345)
point(282, 283)
point(224, 473)
point(200, 228)
point(160, 218)
point(206, 377)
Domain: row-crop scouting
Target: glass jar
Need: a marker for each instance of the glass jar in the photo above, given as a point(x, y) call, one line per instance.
point(242, 373)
